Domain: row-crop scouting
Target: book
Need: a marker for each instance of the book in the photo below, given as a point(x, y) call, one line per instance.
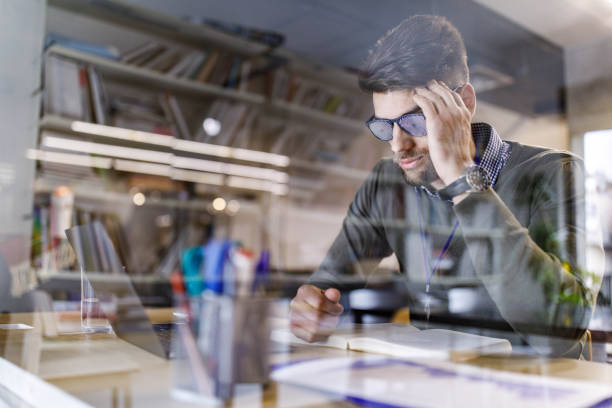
point(234, 74)
point(183, 63)
point(195, 66)
point(179, 119)
point(104, 51)
point(149, 56)
point(245, 70)
point(406, 341)
point(139, 52)
point(164, 61)
point(98, 96)
point(207, 68)
point(66, 89)
point(222, 69)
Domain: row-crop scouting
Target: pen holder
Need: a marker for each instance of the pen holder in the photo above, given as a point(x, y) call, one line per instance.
point(232, 341)
point(234, 338)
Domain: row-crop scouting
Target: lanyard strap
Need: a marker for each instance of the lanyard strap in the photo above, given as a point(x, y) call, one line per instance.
point(430, 270)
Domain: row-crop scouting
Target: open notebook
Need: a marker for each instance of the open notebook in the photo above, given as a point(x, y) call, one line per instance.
point(405, 341)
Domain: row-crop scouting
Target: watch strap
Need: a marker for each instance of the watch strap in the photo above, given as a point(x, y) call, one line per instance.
point(455, 188)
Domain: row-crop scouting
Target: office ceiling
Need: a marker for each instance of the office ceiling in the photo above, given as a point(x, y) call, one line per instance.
point(517, 46)
point(567, 23)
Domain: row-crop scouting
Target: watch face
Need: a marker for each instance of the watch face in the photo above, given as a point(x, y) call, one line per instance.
point(478, 178)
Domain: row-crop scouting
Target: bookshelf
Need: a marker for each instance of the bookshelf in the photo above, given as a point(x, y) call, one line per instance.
point(153, 23)
point(147, 77)
point(262, 173)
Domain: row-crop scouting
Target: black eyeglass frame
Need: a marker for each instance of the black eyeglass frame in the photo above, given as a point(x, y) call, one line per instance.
point(414, 112)
point(373, 120)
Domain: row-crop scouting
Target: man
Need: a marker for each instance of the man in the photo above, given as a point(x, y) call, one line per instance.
point(458, 201)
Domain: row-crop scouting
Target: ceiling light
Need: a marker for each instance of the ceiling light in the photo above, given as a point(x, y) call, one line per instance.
point(211, 126)
point(139, 199)
point(233, 206)
point(219, 204)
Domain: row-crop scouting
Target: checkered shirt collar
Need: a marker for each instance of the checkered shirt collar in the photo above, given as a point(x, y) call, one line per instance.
point(491, 152)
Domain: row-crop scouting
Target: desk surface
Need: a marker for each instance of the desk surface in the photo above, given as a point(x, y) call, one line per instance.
point(87, 366)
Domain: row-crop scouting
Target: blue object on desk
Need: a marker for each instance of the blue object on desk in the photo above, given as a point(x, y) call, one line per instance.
point(215, 256)
point(261, 270)
point(191, 261)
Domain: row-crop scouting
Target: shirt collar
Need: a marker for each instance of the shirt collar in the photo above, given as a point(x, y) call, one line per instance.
point(491, 152)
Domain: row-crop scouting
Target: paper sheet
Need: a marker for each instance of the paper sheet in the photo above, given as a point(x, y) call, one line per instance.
point(389, 382)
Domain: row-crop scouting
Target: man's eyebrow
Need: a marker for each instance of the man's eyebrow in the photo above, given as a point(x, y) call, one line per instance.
point(415, 110)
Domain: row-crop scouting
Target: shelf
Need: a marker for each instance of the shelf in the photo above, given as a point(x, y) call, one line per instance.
point(98, 277)
point(134, 17)
point(126, 199)
point(150, 78)
point(64, 125)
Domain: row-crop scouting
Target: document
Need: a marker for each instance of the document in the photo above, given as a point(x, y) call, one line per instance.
point(406, 341)
point(389, 382)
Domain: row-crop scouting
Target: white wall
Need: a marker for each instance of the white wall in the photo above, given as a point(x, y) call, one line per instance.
point(21, 43)
point(547, 130)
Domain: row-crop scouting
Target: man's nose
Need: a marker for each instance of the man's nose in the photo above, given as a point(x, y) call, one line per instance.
point(401, 140)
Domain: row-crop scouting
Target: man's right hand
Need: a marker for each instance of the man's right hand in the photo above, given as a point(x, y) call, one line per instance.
point(315, 312)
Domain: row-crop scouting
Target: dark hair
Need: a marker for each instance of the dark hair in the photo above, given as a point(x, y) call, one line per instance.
point(420, 49)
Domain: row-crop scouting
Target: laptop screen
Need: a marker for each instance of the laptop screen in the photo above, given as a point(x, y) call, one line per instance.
point(102, 269)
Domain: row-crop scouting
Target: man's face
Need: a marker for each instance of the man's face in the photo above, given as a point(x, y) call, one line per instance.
point(409, 152)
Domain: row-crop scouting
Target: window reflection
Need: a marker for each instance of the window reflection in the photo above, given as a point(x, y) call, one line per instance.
point(312, 167)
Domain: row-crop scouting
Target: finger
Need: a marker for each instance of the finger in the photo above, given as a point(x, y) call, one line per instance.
point(461, 103)
point(307, 313)
point(426, 106)
point(437, 101)
point(333, 295)
point(445, 93)
point(315, 297)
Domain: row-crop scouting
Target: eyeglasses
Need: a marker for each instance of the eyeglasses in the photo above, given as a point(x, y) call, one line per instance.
point(412, 123)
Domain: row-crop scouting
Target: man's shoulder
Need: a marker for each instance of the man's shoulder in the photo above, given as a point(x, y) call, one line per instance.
point(526, 156)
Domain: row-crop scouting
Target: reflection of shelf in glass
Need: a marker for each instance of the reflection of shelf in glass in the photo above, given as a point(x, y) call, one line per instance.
point(45, 275)
point(124, 198)
point(149, 140)
point(154, 141)
point(162, 81)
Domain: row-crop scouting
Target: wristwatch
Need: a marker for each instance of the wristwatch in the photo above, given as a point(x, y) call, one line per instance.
point(474, 178)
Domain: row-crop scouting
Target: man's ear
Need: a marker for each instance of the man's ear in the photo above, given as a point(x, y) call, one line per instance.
point(469, 97)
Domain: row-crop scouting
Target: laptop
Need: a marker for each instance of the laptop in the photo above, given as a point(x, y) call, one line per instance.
point(96, 253)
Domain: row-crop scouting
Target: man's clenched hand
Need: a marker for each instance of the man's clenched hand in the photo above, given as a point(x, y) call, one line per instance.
point(315, 312)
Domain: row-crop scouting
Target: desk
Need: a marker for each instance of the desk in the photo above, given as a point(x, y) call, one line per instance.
point(88, 366)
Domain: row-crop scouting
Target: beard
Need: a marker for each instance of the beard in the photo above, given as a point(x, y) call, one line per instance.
point(424, 175)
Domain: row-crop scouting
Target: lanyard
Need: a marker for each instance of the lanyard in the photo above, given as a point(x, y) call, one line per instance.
point(430, 271)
